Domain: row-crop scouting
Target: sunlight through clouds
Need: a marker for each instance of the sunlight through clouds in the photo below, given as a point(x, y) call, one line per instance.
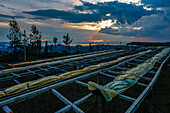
point(101, 40)
point(90, 25)
point(137, 2)
point(4, 24)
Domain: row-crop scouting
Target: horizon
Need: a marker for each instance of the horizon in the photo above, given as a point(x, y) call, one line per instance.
point(103, 21)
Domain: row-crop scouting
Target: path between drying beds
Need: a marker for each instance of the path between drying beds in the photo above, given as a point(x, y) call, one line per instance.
point(161, 95)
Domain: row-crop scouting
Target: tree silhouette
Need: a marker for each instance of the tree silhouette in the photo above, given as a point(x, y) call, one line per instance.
point(35, 36)
point(25, 38)
point(55, 39)
point(46, 48)
point(14, 34)
point(67, 41)
point(90, 47)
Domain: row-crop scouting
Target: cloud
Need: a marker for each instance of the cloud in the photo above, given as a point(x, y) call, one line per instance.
point(8, 7)
point(30, 5)
point(3, 36)
point(121, 11)
point(67, 16)
point(157, 3)
point(167, 16)
point(4, 24)
point(89, 12)
point(133, 21)
point(153, 26)
point(10, 16)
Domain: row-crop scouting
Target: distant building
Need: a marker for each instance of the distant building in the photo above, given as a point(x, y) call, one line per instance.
point(148, 44)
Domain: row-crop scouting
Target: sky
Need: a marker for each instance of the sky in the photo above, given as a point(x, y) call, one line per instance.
point(105, 21)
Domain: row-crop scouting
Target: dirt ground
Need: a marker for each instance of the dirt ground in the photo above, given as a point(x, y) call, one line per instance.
point(160, 101)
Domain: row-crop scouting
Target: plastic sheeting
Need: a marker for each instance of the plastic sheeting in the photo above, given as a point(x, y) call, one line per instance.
point(128, 78)
point(49, 63)
point(45, 80)
point(38, 61)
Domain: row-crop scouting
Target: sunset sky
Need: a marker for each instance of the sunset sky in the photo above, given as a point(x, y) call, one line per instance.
point(90, 20)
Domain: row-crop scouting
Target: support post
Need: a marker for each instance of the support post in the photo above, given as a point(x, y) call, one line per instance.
point(100, 97)
point(25, 56)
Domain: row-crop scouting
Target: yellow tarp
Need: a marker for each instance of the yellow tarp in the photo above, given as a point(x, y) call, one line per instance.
point(45, 80)
point(38, 61)
point(2, 94)
point(47, 63)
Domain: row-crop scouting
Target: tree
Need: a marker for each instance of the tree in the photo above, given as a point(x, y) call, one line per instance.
point(55, 41)
point(90, 48)
point(67, 41)
point(46, 48)
point(14, 34)
point(51, 47)
point(35, 36)
point(25, 38)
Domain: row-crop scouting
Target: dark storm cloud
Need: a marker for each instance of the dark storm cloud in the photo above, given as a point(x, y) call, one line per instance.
point(152, 26)
point(153, 33)
point(156, 27)
point(157, 3)
point(121, 11)
point(68, 16)
point(167, 16)
point(39, 18)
